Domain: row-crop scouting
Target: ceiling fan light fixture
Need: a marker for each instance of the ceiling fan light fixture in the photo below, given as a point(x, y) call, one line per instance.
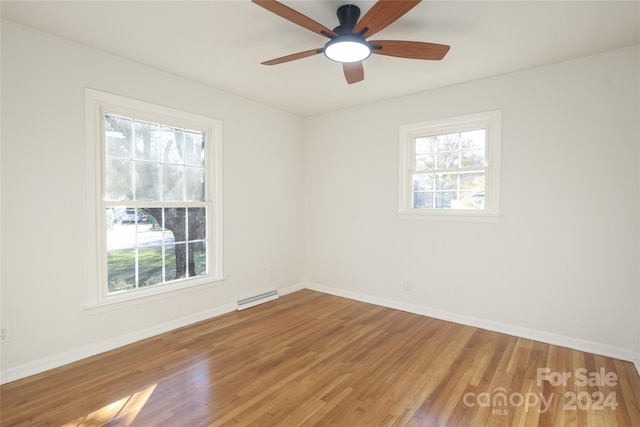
point(347, 48)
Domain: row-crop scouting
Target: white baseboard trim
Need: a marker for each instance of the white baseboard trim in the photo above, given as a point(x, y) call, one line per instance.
point(61, 359)
point(532, 334)
point(291, 289)
point(636, 362)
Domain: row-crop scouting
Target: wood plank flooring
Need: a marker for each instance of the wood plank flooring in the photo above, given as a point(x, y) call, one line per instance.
point(314, 359)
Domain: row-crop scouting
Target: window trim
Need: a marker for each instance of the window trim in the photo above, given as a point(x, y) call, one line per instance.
point(96, 103)
point(492, 122)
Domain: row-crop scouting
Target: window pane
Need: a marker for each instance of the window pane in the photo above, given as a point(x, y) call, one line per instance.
point(472, 181)
point(121, 269)
point(447, 160)
point(473, 158)
point(197, 259)
point(147, 181)
point(194, 148)
point(445, 199)
point(172, 183)
point(168, 237)
point(146, 234)
point(423, 200)
point(474, 139)
point(115, 216)
point(117, 136)
point(129, 216)
point(195, 183)
point(153, 217)
point(169, 263)
point(471, 200)
point(110, 218)
point(150, 266)
point(448, 142)
point(175, 222)
point(424, 162)
point(447, 181)
point(172, 145)
point(422, 182)
point(119, 180)
point(179, 268)
point(426, 145)
point(147, 141)
point(120, 228)
point(197, 224)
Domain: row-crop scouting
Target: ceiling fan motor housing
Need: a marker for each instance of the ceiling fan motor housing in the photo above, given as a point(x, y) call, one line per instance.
point(348, 16)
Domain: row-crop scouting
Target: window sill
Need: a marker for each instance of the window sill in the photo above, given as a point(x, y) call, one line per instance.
point(126, 299)
point(452, 216)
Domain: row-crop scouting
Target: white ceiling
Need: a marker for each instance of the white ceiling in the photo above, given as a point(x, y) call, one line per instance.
point(221, 43)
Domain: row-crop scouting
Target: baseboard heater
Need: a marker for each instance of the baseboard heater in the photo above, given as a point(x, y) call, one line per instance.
point(254, 300)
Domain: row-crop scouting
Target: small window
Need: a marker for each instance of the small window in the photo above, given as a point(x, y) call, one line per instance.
point(450, 168)
point(158, 199)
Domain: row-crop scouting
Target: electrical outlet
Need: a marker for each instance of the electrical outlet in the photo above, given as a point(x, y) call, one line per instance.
point(408, 285)
point(5, 334)
point(270, 273)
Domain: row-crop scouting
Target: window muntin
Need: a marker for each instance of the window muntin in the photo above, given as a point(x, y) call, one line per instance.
point(156, 199)
point(449, 168)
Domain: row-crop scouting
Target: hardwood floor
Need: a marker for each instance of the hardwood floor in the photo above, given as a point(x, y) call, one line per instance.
point(315, 359)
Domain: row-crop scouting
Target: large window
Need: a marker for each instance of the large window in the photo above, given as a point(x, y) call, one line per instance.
point(156, 176)
point(449, 169)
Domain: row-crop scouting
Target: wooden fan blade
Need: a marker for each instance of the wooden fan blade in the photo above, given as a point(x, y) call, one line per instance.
point(296, 17)
point(408, 49)
point(383, 13)
point(353, 71)
point(294, 56)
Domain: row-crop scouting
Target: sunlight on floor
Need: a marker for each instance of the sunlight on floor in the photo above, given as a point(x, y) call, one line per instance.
point(124, 410)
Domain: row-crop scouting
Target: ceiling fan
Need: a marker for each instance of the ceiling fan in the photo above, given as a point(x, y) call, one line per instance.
point(348, 42)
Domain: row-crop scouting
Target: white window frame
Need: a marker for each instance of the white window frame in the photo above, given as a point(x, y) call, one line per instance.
point(97, 104)
point(489, 120)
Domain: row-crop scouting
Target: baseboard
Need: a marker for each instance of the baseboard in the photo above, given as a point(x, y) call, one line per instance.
point(61, 359)
point(636, 362)
point(291, 289)
point(532, 334)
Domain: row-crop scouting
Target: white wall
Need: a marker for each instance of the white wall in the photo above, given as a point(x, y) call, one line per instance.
point(44, 237)
point(562, 265)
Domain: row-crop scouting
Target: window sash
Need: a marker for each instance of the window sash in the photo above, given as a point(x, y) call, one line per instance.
point(163, 242)
point(138, 117)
